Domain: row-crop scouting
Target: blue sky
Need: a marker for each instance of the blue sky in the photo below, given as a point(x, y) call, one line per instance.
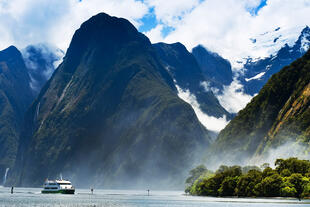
point(149, 21)
point(222, 26)
point(255, 10)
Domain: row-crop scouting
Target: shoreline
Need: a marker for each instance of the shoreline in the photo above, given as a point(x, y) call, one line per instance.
point(155, 194)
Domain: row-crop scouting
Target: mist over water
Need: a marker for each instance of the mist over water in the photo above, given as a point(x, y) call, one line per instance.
point(284, 151)
point(287, 150)
point(132, 198)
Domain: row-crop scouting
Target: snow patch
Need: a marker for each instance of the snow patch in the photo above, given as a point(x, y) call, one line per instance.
point(305, 43)
point(257, 77)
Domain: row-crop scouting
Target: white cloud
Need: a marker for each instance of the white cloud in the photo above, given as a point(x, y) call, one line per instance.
point(233, 98)
point(155, 34)
point(226, 27)
point(171, 12)
point(210, 122)
point(223, 27)
point(24, 22)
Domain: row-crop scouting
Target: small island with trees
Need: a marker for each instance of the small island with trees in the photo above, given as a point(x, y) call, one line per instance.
point(289, 178)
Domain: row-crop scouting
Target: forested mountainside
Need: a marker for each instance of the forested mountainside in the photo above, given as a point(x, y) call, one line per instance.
point(15, 98)
point(279, 114)
point(109, 116)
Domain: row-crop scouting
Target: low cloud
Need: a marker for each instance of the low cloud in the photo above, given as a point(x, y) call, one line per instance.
point(233, 98)
point(210, 122)
point(287, 150)
point(227, 27)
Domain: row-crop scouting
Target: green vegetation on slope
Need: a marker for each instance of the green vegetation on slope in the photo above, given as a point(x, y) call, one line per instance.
point(15, 98)
point(290, 178)
point(110, 115)
point(278, 114)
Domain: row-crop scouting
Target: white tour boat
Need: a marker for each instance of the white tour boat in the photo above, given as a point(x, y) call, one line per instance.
point(58, 186)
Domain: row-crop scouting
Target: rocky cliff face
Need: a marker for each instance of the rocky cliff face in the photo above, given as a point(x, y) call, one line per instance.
point(109, 116)
point(15, 98)
point(188, 75)
point(277, 115)
point(215, 68)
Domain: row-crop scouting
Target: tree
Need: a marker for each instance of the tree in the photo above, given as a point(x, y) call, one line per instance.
point(271, 185)
point(228, 186)
point(293, 164)
point(268, 172)
point(297, 180)
point(195, 174)
point(246, 184)
point(208, 187)
point(264, 166)
point(288, 191)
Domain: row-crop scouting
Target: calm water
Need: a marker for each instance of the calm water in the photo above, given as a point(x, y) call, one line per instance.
point(121, 198)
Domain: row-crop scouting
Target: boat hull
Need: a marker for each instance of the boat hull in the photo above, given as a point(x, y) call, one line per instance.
point(62, 191)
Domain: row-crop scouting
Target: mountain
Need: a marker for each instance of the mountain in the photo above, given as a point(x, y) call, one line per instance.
point(214, 67)
point(257, 72)
point(109, 116)
point(187, 74)
point(40, 60)
point(15, 98)
point(279, 114)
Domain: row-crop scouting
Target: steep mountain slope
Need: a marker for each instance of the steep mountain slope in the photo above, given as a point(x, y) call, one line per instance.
point(15, 98)
point(109, 116)
point(187, 74)
point(257, 72)
point(214, 67)
point(277, 115)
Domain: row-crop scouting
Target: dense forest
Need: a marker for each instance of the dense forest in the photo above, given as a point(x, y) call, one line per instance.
point(289, 178)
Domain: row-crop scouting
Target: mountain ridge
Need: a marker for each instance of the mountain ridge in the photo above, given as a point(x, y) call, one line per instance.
point(15, 97)
point(108, 103)
point(277, 115)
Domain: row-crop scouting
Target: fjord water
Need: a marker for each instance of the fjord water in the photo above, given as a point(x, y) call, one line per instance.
point(130, 198)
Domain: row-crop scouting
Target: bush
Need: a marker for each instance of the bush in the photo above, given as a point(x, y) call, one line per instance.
point(289, 179)
point(288, 192)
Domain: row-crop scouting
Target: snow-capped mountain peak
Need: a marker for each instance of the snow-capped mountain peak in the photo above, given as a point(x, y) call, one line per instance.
point(304, 39)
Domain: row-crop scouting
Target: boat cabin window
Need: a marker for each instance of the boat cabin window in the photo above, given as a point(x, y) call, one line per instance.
point(64, 183)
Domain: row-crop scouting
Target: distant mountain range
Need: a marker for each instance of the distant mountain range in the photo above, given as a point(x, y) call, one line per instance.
point(216, 69)
point(278, 115)
point(188, 75)
point(112, 114)
point(257, 72)
point(109, 116)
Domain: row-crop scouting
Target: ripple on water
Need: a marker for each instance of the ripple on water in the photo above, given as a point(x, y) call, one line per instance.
point(124, 198)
